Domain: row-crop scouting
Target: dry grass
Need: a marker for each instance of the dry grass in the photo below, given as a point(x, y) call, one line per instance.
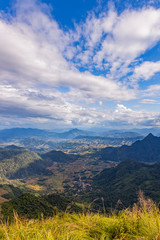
point(140, 222)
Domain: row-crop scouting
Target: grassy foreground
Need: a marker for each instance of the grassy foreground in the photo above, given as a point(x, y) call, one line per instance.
point(140, 222)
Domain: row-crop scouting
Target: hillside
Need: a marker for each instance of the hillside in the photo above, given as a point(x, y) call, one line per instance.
point(8, 191)
point(45, 173)
point(11, 160)
point(58, 156)
point(30, 206)
point(123, 183)
point(33, 172)
point(19, 163)
point(41, 166)
point(146, 150)
point(27, 205)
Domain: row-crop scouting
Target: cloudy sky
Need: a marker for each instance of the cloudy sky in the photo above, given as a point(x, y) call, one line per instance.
point(80, 63)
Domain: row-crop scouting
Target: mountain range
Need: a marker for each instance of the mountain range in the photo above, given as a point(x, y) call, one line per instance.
point(86, 177)
point(15, 133)
point(146, 150)
point(19, 133)
point(19, 163)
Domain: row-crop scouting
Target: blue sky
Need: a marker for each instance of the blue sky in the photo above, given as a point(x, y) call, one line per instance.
point(81, 63)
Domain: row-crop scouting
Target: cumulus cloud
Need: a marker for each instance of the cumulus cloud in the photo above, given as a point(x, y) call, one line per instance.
point(152, 91)
point(146, 70)
point(46, 105)
point(119, 39)
point(37, 58)
point(33, 54)
point(142, 118)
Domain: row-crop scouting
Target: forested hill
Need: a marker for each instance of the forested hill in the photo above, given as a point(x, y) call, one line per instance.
point(124, 181)
point(11, 160)
point(21, 163)
point(30, 206)
point(146, 150)
point(58, 156)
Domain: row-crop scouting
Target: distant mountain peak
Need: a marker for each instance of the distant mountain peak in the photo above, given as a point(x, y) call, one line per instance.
point(150, 136)
point(146, 150)
point(75, 130)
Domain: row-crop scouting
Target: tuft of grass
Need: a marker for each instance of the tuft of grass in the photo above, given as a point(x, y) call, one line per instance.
point(141, 222)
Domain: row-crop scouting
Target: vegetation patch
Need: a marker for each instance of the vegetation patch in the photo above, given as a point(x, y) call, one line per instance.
point(142, 222)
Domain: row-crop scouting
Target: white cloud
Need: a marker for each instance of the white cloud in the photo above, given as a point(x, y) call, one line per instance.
point(100, 103)
point(37, 57)
point(132, 117)
point(149, 101)
point(146, 70)
point(119, 39)
point(33, 55)
point(45, 107)
point(151, 91)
